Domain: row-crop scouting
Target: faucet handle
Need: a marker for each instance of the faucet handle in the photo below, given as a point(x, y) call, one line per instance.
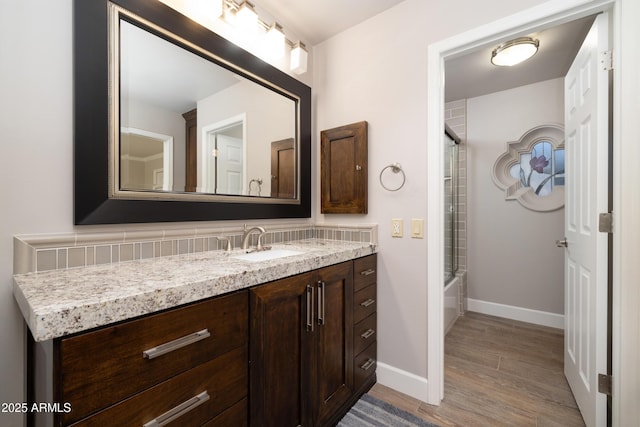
point(227, 240)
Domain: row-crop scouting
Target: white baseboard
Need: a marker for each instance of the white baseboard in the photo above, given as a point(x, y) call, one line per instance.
point(516, 313)
point(402, 381)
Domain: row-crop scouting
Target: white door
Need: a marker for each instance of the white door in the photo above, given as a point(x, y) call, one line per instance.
point(230, 165)
point(586, 133)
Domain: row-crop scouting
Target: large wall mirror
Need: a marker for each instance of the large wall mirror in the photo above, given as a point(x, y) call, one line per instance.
point(174, 123)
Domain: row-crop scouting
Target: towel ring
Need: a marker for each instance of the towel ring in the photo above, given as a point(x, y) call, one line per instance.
point(395, 168)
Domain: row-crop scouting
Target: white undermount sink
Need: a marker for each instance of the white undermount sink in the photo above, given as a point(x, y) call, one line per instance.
point(267, 255)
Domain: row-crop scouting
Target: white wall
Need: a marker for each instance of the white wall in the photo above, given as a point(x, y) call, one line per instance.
point(512, 255)
point(36, 155)
point(377, 71)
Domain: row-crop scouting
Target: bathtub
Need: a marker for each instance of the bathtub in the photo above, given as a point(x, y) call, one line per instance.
point(451, 303)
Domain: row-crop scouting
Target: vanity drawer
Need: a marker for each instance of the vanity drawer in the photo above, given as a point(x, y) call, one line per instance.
point(236, 416)
point(364, 333)
point(364, 272)
point(99, 368)
point(213, 387)
point(364, 303)
point(364, 365)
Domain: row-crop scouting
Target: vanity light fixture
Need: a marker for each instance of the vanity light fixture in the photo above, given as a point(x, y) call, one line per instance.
point(514, 51)
point(275, 41)
point(202, 11)
point(246, 17)
point(216, 8)
point(298, 61)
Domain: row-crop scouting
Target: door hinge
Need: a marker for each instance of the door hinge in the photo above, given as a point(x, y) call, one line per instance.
point(606, 60)
point(215, 152)
point(605, 222)
point(605, 384)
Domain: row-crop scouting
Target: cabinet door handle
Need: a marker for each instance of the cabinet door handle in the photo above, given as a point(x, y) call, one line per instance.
point(165, 348)
point(321, 286)
point(367, 303)
point(178, 411)
point(367, 272)
point(367, 334)
point(368, 364)
point(309, 308)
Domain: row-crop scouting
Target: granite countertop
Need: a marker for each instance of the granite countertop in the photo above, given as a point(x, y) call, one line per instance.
point(62, 302)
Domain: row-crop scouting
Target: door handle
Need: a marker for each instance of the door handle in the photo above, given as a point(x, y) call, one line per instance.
point(309, 308)
point(562, 243)
point(321, 286)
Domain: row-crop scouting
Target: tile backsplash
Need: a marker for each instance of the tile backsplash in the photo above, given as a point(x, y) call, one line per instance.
point(73, 250)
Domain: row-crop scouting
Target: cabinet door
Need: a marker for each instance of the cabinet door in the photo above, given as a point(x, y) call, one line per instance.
point(343, 169)
point(280, 351)
point(334, 340)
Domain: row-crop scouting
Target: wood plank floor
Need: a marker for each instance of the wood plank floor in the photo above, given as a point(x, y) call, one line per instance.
point(498, 372)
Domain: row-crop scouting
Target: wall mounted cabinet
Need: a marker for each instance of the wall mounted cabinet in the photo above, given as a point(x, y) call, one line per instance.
point(343, 169)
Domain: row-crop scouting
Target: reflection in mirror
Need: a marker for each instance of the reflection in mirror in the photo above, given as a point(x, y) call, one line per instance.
point(221, 125)
point(146, 160)
point(224, 158)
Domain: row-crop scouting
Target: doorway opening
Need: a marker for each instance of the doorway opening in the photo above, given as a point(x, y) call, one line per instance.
point(517, 25)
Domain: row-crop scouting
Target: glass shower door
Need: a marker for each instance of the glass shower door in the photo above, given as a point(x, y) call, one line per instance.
point(450, 209)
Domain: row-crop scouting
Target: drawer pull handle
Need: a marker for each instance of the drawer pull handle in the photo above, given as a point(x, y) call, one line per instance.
point(175, 344)
point(367, 303)
point(178, 411)
point(367, 334)
point(367, 272)
point(366, 365)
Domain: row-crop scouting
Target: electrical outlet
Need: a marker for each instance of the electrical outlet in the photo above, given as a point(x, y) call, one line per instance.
point(396, 227)
point(417, 228)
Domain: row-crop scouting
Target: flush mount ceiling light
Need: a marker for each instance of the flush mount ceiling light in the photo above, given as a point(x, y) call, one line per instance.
point(514, 51)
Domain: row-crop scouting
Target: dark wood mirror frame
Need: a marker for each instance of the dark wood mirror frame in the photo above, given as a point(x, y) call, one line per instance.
point(92, 204)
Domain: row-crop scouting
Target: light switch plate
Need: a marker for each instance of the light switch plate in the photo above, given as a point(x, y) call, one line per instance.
point(396, 227)
point(417, 228)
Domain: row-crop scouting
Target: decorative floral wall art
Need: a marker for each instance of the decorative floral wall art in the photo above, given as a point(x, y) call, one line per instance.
point(531, 170)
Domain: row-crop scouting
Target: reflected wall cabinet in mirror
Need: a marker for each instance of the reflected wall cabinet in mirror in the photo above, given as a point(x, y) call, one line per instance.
point(175, 123)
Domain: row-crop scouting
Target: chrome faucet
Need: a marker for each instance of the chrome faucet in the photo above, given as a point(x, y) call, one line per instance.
point(247, 233)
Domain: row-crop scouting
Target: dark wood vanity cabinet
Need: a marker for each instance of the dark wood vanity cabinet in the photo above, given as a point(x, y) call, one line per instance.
point(145, 369)
point(302, 348)
point(298, 351)
point(301, 370)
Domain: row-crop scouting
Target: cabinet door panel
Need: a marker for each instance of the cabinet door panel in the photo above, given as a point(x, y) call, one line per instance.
point(343, 169)
point(334, 374)
point(280, 352)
